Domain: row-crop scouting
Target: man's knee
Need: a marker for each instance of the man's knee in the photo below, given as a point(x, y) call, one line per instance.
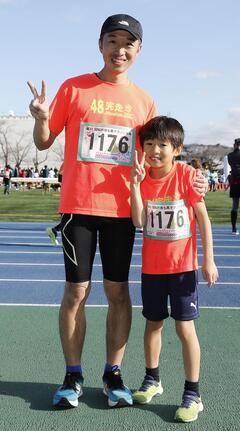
point(75, 294)
point(117, 292)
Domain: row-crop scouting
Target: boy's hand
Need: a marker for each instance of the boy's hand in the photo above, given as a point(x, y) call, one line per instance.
point(200, 183)
point(138, 170)
point(39, 106)
point(210, 273)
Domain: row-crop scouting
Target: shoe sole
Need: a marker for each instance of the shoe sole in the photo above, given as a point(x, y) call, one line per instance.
point(122, 402)
point(148, 400)
point(64, 403)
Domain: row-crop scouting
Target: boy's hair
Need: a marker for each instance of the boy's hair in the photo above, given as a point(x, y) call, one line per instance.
point(163, 128)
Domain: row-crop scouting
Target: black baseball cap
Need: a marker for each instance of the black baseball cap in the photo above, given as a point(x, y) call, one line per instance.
point(122, 22)
point(237, 141)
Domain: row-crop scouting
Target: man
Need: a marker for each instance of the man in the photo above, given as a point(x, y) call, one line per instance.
point(234, 162)
point(101, 113)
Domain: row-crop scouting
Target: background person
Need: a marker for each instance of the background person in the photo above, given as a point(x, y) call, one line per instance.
point(234, 182)
point(53, 231)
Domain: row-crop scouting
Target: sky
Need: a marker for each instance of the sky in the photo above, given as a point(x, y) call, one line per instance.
point(189, 63)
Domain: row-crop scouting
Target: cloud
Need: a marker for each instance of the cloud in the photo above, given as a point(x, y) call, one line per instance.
point(206, 74)
point(218, 132)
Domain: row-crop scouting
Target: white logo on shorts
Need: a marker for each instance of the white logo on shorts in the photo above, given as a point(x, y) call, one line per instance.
point(193, 305)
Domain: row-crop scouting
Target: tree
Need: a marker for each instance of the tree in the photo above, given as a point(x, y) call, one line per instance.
point(20, 148)
point(4, 143)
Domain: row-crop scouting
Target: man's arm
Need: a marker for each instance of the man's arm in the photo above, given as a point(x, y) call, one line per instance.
point(209, 269)
point(43, 137)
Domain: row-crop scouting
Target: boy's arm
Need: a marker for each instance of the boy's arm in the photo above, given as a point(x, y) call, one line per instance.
point(137, 175)
point(209, 269)
point(43, 137)
point(137, 209)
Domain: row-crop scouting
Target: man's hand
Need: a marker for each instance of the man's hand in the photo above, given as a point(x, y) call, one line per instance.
point(200, 183)
point(39, 106)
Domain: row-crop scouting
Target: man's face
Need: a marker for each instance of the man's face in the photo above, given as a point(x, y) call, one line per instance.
point(119, 49)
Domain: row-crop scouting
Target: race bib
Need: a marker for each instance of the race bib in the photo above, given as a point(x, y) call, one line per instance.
point(106, 143)
point(167, 220)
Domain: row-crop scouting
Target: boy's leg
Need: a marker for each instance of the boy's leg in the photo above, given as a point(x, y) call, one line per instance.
point(151, 385)
point(155, 310)
point(190, 349)
point(191, 401)
point(153, 342)
point(184, 310)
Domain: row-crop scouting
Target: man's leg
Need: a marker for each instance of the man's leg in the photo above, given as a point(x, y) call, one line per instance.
point(79, 245)
point(116, 237)
point(119, 320)
point(72, 321)
point(72, 328)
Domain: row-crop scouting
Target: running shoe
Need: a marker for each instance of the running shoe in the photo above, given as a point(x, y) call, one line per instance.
point(118, 394)
point(150, 388)
point(52, 236)
point(68, 394)
point(189, 409)
point(235, 232)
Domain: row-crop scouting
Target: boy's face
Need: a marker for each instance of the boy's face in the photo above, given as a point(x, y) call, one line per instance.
point(119, 49)
point(160, 154)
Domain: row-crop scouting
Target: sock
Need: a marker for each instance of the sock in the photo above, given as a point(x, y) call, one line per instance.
point(154, 373)
point(192, 387)
point(109, 367)
point(74, 369)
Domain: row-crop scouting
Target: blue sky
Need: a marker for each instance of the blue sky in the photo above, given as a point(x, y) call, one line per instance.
point(190, 60)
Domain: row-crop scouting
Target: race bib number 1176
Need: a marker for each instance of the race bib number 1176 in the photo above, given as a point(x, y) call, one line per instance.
point(167, 220)
point(106, 143)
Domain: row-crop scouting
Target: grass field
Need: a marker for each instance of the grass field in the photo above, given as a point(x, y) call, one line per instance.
point(37, 205)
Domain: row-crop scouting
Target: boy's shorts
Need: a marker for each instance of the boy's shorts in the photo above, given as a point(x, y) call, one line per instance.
point(80, 234)
point(182, 290)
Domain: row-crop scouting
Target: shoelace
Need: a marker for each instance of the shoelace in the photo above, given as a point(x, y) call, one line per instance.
point(187, 400)
point(70, 381)
point(146, 384)
point(114, 380)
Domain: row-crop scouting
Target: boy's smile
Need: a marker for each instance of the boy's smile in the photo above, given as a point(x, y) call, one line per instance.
point(160, 156)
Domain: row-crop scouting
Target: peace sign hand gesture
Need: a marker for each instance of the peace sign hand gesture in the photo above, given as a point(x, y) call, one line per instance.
point(138, 171)
point(39, 105)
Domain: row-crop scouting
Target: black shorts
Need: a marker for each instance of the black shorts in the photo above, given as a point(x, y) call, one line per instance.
point(180, 288)
point(80, 234)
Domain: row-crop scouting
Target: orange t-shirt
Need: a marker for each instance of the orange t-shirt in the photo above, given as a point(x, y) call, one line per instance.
point(169, 244)
point(100, 121)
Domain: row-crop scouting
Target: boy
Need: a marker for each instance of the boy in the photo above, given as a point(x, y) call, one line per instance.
point(164, 201)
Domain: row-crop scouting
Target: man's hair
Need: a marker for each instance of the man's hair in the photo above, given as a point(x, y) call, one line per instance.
point(164, 129)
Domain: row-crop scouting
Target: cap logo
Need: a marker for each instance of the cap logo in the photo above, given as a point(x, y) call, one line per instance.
point(123, 23)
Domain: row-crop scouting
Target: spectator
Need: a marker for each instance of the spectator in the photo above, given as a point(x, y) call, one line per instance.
point(234, 181)
point(7, 174)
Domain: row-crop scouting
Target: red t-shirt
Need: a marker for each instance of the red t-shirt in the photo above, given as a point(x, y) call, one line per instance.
point(169, 244)
point(100, 121)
